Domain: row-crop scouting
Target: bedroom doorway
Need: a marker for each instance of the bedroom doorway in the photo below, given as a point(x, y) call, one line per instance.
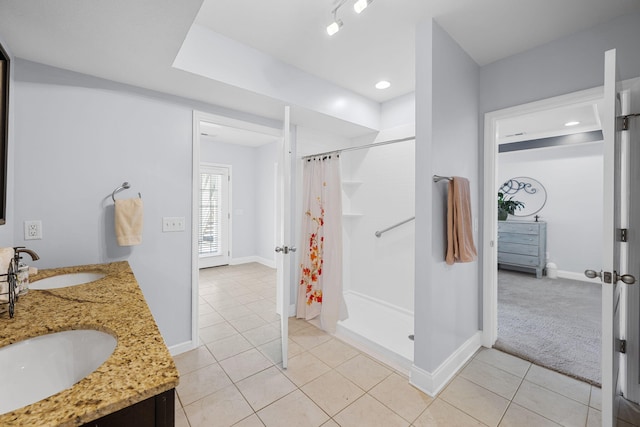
point(552, 170)
point(627, 90)
point(551, 316)
point(231, 296)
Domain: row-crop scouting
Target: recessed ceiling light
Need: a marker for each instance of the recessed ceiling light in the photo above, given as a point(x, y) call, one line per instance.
point(573, 123)
point(383, 84)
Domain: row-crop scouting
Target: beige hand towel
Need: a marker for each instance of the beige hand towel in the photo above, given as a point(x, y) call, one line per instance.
point(128, 221)
point(460, 246)
point(6, 255)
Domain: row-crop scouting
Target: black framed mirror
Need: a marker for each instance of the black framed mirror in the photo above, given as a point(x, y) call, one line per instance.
point(530, 192)
point(4, 131)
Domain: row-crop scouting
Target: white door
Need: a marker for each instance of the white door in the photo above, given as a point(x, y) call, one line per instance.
point(614, 262)
point(633, 295)
point(213, 229)
point(285, 248)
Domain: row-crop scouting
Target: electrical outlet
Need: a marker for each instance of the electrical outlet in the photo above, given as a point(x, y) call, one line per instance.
point(33, 230)
point(173, 223)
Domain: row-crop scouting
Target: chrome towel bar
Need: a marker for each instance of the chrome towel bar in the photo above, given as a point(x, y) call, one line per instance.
point(438, 178)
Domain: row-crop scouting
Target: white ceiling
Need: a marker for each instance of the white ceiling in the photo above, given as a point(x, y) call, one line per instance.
point(135, 42)
point(550, 122)
point(379, 43)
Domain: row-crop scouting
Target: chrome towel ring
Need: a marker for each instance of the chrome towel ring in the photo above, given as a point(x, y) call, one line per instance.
point(125, 185)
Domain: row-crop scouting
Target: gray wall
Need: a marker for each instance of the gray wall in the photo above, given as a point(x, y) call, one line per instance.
point(77, 138)
point(243, 192)
point(447, 297)
point(572, 178)
point(252, 192)
point(566, 65)
point(265, 240)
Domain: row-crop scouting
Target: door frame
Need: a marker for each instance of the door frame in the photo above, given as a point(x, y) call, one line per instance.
point(630, 330)
point(197, 117)
point(490, 209)
point(229, 207)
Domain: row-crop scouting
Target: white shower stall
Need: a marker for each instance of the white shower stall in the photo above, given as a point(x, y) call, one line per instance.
point(378, 189)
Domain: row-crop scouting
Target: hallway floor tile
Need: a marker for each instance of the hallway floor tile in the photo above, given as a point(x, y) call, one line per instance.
point(235, 378)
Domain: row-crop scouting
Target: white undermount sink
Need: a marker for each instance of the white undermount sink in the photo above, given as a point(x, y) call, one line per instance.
point(39, 367)
point(64, 280)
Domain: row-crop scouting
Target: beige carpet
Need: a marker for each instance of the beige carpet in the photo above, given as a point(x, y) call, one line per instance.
point(551, 322)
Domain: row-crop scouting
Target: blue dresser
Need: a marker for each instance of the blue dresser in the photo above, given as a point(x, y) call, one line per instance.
point(522, 246)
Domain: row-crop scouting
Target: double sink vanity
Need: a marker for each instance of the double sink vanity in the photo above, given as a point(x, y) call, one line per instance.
point(84, 349)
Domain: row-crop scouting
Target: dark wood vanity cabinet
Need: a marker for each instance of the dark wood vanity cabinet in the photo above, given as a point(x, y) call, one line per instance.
point(156, 411)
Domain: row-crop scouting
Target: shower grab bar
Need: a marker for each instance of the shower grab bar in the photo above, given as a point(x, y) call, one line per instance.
point(379, 233)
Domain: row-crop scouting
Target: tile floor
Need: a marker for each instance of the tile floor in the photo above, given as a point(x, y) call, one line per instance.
point(235, 377)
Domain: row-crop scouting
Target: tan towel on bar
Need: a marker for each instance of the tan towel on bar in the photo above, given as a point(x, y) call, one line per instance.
point(128, 224)
point(6, 255)
point(460, 247)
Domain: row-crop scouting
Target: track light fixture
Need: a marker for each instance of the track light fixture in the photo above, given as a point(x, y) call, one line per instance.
point(335, 26)
point(361, 5)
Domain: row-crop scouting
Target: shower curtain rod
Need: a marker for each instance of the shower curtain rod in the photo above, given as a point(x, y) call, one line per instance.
point(375, 144)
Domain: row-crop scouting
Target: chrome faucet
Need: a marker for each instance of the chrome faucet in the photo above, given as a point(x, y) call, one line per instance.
point(12, 275)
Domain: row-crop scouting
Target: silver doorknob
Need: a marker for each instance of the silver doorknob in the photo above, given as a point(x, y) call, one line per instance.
point(279, 249)
point(292, 249)
point(592, 274)
point(626, 278)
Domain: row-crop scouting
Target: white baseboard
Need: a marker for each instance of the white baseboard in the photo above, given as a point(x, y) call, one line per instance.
point(433, 382)
point(292, 310)
point(563, 274)
point(182, 347)
point(247, 259)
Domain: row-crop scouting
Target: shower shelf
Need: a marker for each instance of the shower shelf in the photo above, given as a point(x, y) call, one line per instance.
point(350, 187)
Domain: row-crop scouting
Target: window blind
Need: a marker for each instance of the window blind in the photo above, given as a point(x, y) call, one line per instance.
point(210, 214)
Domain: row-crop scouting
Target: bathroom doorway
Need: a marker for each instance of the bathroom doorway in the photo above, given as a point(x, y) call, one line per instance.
point(250, 151)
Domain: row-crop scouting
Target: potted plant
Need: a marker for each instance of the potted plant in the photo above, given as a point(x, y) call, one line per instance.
point(506, 206)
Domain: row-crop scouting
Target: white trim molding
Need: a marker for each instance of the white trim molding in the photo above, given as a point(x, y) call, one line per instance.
point(433, 382)
point(563, 274)
point(182, 347)
point(247, 259)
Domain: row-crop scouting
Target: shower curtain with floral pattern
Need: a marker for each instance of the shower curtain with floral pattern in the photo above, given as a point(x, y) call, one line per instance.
point(320, 286)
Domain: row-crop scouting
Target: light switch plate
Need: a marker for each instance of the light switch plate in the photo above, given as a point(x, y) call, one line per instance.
point(172, 223)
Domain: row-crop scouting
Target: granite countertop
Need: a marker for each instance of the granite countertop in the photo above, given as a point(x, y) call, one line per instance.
point(140, 366)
